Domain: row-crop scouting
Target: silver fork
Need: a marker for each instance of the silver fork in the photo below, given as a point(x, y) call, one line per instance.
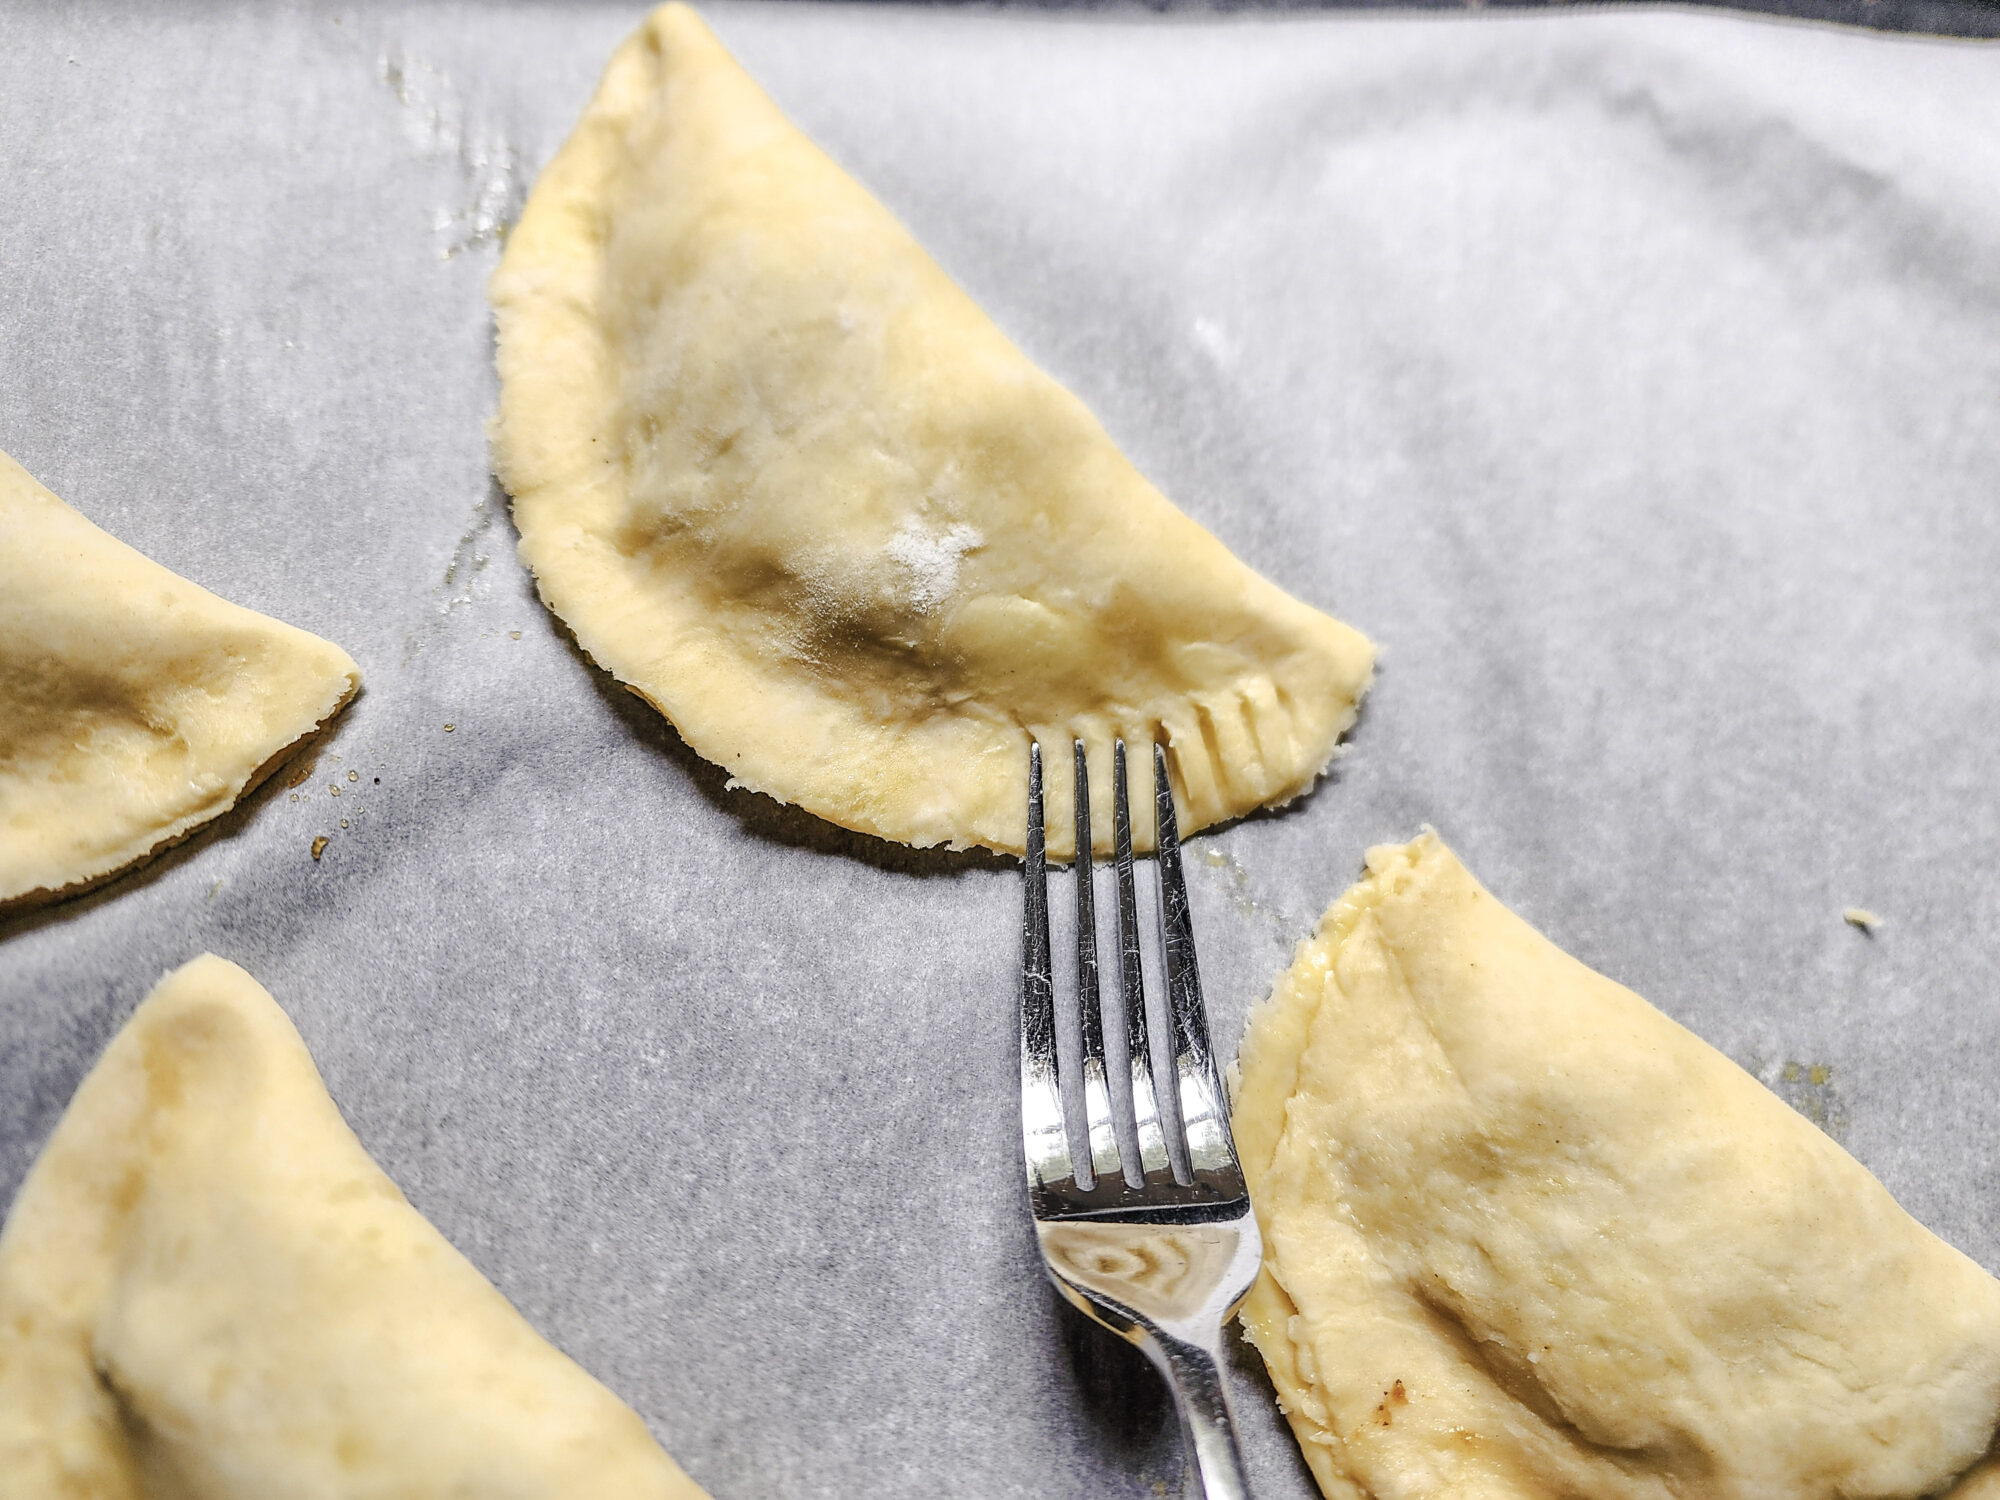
point(1162, 1249)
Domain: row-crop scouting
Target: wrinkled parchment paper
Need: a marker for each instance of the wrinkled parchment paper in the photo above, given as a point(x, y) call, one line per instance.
point(1633, 379)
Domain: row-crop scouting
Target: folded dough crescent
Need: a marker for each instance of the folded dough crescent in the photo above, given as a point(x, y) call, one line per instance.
point(134, 705)
point(1526, 1237)
point(208, 1291)
point(787, 482)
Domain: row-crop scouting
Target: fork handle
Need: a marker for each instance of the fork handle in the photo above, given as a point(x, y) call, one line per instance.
point(1196, 1378)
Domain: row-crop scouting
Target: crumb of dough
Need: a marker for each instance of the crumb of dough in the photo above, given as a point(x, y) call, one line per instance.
point(1862, 917)
point(205, 1279)
point(1599, 1257)
point(303, 774)
point(319, 846)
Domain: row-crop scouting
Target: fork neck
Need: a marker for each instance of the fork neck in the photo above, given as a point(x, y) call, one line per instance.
point(1195, 1375)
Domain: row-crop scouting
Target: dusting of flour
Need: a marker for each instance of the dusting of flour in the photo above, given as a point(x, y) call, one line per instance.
point(933, 558)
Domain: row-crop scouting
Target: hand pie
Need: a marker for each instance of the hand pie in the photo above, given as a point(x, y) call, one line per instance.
point(134, 705)
point(1526, 1237)
point(787, 482)
point(209, 1292)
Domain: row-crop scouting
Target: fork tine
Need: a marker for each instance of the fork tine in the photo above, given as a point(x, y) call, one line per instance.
point(1152, 1140)
point(1103, 1136)
point(1164, 1260)
point(1044, 1136)
point(1203, 1120)
point(1105, 1244)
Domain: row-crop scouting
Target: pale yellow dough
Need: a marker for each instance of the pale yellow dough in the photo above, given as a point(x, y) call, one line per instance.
point(784, 479)
point(1527, 1237)
point(208, 1291)
point(134, 705)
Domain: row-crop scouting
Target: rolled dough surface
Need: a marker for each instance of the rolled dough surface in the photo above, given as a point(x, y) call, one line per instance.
point(208, 1291)
point(786, 481)
point(134, 705)
point(1526, 1237)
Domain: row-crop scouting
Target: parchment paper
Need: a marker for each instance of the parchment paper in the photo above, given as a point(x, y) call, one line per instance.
point(1634, 379)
